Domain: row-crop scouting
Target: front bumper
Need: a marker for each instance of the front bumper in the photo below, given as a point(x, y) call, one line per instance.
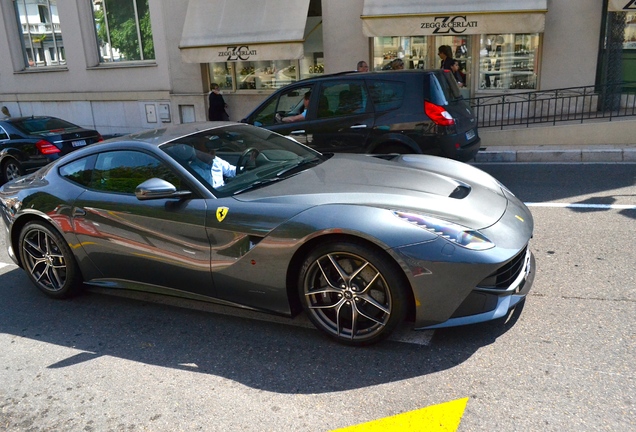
point(484, 304)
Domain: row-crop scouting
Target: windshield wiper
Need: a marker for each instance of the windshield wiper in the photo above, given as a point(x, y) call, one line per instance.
point(257, 184)
point(304, 162)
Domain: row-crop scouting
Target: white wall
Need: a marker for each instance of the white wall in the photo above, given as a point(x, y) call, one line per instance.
point(571, 43)
point(344, 42)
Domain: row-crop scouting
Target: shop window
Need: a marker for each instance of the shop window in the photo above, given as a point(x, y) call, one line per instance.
point(124, 32)
point(264, 75)
point(413, 51)
point(460, 48)
point(41, 33)
point(508, 61)
point(629, 48)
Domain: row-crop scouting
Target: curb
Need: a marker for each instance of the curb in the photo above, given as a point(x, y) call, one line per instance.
point(558, 154)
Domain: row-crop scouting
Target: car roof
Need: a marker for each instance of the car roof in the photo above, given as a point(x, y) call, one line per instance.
point(370, 74)
point(163, 135)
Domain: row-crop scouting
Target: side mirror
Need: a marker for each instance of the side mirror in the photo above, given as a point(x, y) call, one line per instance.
point(158, 189)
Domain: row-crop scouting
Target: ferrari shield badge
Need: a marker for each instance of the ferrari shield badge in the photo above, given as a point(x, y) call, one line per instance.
point(221, 212)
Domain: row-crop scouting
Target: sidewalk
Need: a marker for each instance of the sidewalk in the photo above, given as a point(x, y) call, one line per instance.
point(555, 153)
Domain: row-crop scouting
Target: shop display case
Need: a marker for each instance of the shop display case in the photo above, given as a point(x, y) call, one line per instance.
point(412, 50)
point(508, 62)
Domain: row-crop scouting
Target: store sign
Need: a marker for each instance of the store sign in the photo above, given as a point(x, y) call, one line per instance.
point(449, 24)
point(237, 53)
point(622, 5)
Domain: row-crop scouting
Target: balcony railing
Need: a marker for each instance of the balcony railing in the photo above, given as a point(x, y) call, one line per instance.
point(551, 106)
point(40, 28)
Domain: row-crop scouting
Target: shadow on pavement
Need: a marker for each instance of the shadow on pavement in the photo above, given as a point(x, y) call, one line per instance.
point(263, 355)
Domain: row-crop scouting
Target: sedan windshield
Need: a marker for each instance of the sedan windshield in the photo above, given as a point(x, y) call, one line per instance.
point(233, 159)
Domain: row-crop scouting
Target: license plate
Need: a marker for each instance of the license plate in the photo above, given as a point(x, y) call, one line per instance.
point(79, 143)
point(470, 134)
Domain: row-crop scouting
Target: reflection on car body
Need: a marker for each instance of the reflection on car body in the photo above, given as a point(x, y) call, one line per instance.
point(29, 143)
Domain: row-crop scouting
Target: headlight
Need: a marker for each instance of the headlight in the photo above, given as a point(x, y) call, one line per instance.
point(457, 234)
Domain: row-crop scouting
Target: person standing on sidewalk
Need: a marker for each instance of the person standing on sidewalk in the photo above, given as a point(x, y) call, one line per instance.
point(217, 105)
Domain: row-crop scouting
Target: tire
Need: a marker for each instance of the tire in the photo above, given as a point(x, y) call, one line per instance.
point(394, 148)
point(48, 261)
point(352, 293)
point(11, 169)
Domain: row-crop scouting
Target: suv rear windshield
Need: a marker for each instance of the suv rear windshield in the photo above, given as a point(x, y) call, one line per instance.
point(42, 124)
point(443, 88)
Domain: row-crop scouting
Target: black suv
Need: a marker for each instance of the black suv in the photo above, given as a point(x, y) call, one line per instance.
point(406, 111)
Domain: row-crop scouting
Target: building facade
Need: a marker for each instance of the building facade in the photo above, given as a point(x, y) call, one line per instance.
point(124, 65)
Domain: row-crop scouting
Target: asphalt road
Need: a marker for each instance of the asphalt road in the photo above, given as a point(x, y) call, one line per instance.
point(564, 362)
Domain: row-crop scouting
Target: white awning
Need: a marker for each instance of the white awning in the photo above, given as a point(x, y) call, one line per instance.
point(243, 30)
point(448, 18)
point(622, 6)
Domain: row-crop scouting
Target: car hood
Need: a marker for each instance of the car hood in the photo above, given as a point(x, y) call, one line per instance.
point(432, 185)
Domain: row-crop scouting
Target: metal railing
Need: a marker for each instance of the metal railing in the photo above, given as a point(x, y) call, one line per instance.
point(551, 106)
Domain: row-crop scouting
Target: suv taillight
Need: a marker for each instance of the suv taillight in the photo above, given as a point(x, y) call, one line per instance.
point(438, 114)
point(46, 148)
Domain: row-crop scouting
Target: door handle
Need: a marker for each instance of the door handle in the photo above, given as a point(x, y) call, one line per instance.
point(362, 126)
point(297, 132)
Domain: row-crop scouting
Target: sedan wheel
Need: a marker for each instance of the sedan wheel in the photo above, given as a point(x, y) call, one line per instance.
point(48, 260)
point(352, 293)
point(11, 169)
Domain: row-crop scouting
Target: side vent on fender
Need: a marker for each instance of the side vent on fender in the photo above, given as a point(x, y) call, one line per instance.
point(460, 192)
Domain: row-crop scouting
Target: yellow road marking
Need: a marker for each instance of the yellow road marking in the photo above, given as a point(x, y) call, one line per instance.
point(437, 418)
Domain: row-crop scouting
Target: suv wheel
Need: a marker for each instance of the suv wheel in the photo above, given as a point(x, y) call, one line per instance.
point(394, 148)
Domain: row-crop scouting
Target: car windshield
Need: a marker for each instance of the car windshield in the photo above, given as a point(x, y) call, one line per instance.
point(233, 159)
point(37, 125)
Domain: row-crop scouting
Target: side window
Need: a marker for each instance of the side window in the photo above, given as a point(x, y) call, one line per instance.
point(123, 171)
point(342, 98)
point(288, 103)
point(79, 171)
point(386, 95)
point(3, 134)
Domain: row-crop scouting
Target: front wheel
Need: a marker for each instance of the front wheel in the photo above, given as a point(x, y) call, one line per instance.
point(352, 293)
point(49, 261)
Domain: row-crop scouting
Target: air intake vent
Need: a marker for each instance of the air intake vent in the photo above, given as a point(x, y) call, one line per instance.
point(460, 192)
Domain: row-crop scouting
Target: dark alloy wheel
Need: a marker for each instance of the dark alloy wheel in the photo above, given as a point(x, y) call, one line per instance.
point(352, 293)
point(11, 170)
point(48, 260)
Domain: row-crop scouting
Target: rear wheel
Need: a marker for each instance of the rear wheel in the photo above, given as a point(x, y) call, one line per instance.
point(352, 293)
point(49, 261)
point(11, 169)
point(394, 148)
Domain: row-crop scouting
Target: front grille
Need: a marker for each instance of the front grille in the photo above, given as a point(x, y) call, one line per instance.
point(506, 274)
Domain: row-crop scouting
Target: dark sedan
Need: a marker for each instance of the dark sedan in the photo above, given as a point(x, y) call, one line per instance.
point(29, 143)
point(240, 215)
